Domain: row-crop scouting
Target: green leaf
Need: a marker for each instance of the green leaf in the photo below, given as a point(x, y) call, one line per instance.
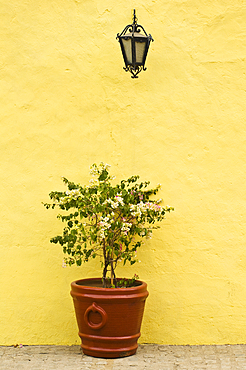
point(103, 175)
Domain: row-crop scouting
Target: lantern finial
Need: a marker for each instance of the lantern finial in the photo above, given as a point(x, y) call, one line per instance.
point(134, 17)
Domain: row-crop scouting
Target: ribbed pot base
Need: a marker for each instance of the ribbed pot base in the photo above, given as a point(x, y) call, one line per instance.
point(109, 320)
point(109, 347)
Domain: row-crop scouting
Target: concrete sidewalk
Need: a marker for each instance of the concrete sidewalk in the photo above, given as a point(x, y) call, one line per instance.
point(150, 356)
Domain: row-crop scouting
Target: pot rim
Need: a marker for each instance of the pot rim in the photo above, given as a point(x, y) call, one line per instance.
point(141, 285)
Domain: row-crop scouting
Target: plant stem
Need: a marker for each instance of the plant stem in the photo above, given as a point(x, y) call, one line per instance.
point(112, 267)
point(105, 265)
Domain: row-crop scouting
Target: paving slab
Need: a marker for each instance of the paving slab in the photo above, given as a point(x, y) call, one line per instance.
point(148, 356)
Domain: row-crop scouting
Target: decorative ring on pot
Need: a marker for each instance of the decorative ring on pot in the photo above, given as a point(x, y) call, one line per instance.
point(95, 308)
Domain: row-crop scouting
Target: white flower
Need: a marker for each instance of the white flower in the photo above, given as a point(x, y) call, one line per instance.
point(62, 200)
point(135, 210)
point(101, 234)
point(103, 166)
point(93, 182)
point(126, 227)
point(149, 234)
point(93, 170)
point(104, 223)
point(112, 203)
point(120, 199)
point(70, 194)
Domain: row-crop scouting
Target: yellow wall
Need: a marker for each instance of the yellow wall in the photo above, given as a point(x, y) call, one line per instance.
point(66, 103)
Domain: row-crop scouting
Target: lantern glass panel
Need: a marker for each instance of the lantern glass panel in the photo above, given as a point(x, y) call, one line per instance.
point(140, 46)
point(127, 43)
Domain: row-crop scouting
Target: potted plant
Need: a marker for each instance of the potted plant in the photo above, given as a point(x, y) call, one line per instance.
point(108, 222)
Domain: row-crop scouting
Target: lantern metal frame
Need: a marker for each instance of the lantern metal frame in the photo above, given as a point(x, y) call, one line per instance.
point(134, 34)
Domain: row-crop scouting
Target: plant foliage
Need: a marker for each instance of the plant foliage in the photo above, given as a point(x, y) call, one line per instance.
point(105, 220)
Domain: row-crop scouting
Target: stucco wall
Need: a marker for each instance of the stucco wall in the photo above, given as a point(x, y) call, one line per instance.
point(66, 103)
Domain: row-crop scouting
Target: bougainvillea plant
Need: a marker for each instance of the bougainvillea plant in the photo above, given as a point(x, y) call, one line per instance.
point(105, 220)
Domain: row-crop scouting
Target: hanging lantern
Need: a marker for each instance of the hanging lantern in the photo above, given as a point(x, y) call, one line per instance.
point(134, 46)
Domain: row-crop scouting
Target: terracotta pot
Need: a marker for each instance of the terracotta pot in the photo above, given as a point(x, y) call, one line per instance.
point(109, 319)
